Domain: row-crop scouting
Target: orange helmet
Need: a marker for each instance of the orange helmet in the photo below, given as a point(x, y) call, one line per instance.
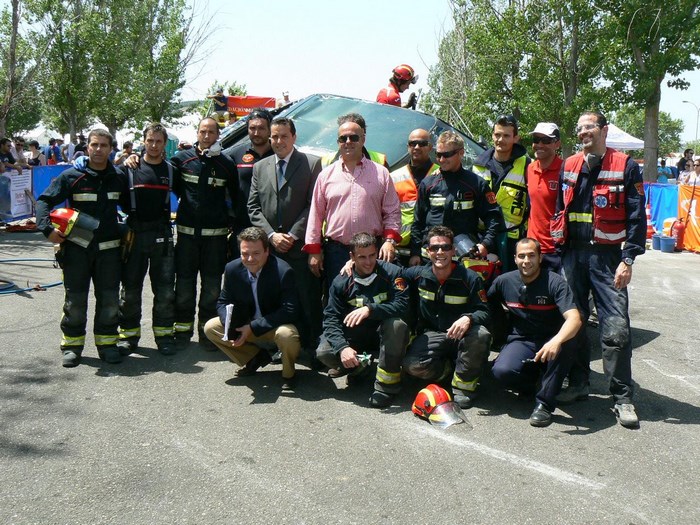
point(78, 227)
point(405, 73)
point(428, 399)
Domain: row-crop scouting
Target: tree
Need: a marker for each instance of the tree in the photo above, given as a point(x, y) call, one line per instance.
point(631, 119)
point(647, 40)
point(534, 59)
point(20, 56)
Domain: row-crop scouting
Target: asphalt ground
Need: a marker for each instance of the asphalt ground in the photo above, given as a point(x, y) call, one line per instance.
point(180, 440)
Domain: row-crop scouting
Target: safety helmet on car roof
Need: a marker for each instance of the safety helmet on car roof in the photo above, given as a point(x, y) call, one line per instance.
point(405, 73)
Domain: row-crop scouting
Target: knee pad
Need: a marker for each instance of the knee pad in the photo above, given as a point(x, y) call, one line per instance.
point(614, 332)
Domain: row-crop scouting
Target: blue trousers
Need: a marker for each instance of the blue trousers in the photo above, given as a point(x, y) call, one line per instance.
point(592, 269)
point(510, 370)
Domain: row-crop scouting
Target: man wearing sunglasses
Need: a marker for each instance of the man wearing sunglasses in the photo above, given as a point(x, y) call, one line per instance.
point(544, 322)
point(542, 188)
point(504, 166)
point(406, 181)
point(374, 156)
point(351, 195)
point(600, 226)
point(452, 314)
point(456, 198)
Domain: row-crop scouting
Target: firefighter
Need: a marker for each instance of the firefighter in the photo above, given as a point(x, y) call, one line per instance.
point(406, 181)
point(148, 246)
point(452, 312)
point(364, 315)
point(203, 177)
point(95, 192)
point(504, 166)
point(456, 198)
point(402, 77)
point(600, 225)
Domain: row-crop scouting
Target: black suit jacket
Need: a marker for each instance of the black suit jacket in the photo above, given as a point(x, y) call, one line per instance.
point(277, 296)
point(285, 210)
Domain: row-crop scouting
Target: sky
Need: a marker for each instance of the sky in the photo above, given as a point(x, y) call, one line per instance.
point(343, 48)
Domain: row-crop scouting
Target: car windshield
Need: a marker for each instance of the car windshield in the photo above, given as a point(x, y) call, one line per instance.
point(388, 127)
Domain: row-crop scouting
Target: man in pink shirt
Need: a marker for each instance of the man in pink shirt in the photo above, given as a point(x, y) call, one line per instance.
point(351, 195)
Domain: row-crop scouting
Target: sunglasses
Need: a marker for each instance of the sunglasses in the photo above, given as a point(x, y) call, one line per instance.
point(446, 154)
point(434, 248)
point(342, 139)
point(543, 140)
point(696, 165)
point(420, 143)
point(522, 295)
point(586, 127)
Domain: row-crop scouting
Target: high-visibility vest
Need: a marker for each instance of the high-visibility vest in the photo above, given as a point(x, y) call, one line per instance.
point(407, 189)
point(511, 195)
point(608, 214)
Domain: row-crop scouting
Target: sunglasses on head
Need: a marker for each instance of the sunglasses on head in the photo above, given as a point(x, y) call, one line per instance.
point(414, 143)
point(502, 120)
point(434, 248)
point(446, 154)
point(543, 140)
point(342, 139)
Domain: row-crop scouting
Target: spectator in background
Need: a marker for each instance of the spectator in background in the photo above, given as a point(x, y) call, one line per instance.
point(57, 151)
point(220, 101)
point(67, 150)
point(691, 177)
point(663, 172)
point(6, 157)
point(115, 150)
point(687, 156)
point(36, 156)
point(124, 154)
point(685, 170)
point(231, 118)
point(281, 102)
point(50, 152)
point(80, 146)
point(19, 153)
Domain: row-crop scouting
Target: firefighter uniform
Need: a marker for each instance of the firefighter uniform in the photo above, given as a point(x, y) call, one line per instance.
point(508, 182)
point(201, 183)
point(431, 354)
point(245, 157)
point(458, 200)
point(385, 293)
point(406, 181)
point(149, 248)
point(598, 210)
point(95, 193)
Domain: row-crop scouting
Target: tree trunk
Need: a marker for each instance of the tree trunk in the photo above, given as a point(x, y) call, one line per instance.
point(11, 64)
point(651, 132)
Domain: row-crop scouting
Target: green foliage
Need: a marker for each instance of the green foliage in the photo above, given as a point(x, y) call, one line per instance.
point(204, 107)
point(631, 119)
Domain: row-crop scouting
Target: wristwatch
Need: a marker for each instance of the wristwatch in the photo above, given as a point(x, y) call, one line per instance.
point(628, 261)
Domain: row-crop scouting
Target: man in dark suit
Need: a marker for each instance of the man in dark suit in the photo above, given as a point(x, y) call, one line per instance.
point(261, 294)
point(280, 196)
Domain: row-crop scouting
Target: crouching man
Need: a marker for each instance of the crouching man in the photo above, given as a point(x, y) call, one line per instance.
point(260, 295)
point(363, 316)
point(544, 321)
point(452, 312)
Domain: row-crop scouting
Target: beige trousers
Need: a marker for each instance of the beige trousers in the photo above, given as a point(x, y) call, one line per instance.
point(286, 337)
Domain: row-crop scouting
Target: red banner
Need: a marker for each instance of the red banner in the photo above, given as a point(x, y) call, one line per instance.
point(688, 197)
point(241, 106)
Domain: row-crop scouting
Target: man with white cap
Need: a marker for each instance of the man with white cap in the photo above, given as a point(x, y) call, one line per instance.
point(542, 186)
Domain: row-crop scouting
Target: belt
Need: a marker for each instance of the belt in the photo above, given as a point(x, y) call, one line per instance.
point(204, 232)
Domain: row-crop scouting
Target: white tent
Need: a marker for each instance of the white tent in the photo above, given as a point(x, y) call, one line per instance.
point(619, 139)
point(42, 135)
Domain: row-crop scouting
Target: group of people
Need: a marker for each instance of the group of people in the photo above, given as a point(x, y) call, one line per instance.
point(686, 168)
point(387, 253)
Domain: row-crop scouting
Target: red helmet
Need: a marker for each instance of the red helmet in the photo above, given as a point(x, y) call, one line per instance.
point(428, 399)
point(405, 73)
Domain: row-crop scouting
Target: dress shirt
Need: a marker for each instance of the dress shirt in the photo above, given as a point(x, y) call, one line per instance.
point(363, 200)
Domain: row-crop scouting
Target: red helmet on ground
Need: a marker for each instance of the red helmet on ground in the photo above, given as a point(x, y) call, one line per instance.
point(405, 73)
point(428, 399)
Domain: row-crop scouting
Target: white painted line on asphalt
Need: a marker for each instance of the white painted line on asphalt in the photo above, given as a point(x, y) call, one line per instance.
point(682, 379)
point(542, 468)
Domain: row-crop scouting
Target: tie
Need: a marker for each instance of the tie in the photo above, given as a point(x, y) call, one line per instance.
point(280, 173)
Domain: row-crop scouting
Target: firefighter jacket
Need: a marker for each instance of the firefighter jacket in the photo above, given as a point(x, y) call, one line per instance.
point(407, 189)
point(604, 208)
point(441, 304)
point(510, 187)
point(148, 199)
point(374, 156)
point(458, 200)
point(201, 183)
point(95, 193)
point(386, 297)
